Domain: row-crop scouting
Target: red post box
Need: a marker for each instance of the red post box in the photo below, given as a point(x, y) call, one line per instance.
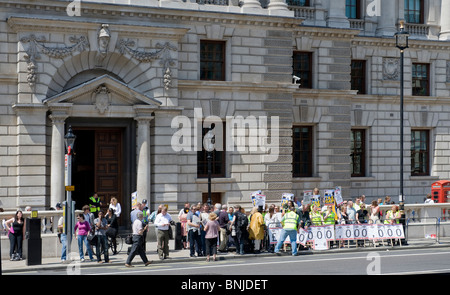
point(440, 191)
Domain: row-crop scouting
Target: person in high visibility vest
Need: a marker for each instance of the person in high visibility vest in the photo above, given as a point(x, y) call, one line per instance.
point(290, 222)
point(392, 216)
point(329, 217)
point(316, 216)
point(95, 204)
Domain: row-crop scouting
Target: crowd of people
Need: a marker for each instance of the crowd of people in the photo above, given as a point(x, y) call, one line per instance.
point(247, 232)
point(205, 230)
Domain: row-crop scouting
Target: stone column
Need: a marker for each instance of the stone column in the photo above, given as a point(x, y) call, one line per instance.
point(387, 20)
point(251, 6)
point(445, 20)
point(336, 14)
point(143, 159)
point(57, 191)
point(278, 7)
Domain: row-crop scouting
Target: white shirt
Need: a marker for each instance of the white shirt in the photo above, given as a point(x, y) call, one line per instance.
point(162, 219)
point(137, 226)
point(117, 209)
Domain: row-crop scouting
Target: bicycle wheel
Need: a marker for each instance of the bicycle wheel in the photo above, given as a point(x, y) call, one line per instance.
point(117, 248)
point(120, 241)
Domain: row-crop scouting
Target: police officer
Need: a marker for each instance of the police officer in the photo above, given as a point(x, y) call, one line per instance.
point(290, 222)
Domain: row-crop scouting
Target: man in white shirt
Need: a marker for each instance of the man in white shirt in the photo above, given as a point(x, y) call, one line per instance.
point(138, 240)
point(162, 223)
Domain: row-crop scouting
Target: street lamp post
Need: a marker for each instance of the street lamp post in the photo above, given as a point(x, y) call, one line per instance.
point(401, 42)
point(69, 140)
point(209, 142)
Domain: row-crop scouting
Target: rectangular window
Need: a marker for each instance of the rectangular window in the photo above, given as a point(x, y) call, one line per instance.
point(420, 152)
point(420, 79)
point(358, 76)
point(297, 2)
point(352, 9)
point(302, 151)
point(212, 60)
point(217, 161)
point(358, 152)
point(302, 68)
point(414, 11)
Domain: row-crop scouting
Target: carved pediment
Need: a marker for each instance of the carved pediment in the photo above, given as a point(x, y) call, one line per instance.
point(102, 93)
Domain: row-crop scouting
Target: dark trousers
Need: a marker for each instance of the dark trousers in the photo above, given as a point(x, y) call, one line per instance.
point(211, 246)
point(240, 241)
point(194, 242)
point(15, 241)
point(137, 248)
point(102, 247)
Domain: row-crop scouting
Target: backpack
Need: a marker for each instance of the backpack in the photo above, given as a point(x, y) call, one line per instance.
point(242, 221)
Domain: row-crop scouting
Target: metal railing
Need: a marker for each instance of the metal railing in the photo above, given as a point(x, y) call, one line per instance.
point(49, 219)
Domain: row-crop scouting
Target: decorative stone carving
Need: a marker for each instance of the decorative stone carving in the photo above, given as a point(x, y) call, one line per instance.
point(103, 39)
point(167, 79)
point(391, 69)
point(36, 45)
point(101, 98)
point(162, 52)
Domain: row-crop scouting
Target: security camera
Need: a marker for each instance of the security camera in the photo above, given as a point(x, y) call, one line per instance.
point(296, 79)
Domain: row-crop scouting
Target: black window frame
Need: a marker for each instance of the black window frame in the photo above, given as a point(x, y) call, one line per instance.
point(420, 157)
point(415, 14)
point(302, 150)
point(212, 60)
point(358, 76)
point(302, 67)
point(417, 78)
point(358, 153)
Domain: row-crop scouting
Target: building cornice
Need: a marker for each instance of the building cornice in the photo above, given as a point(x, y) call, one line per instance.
point(144, 15)
point(25, 24)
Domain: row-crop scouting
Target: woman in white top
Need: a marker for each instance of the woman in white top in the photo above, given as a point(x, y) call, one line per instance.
point(116, 206)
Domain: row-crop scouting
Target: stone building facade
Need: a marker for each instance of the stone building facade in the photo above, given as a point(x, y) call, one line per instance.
point(137, 83)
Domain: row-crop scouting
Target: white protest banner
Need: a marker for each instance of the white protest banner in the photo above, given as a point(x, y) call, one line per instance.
point(360, 232)
point(394, 231)
point(274, 234)
point(302, 236)
point(338, 196)
point(319, 238)
point(286, 197)
point(307, 195)
point(344, 232)
point(253, 197)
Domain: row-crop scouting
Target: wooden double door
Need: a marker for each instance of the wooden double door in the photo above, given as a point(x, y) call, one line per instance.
point(98, 164)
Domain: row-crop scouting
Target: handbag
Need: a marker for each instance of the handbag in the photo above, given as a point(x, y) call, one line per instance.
point(91, 237)
point(129, 239)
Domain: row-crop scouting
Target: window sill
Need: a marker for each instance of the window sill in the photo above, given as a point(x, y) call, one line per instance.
point(215, 180)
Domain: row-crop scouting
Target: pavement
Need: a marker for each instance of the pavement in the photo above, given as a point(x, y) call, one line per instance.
point(54, 263)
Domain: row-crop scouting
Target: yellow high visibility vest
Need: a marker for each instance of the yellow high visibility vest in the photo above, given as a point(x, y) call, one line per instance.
point(316, 219)
point(290, 220)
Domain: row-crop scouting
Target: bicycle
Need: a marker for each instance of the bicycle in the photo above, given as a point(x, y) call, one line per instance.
point(115, 249)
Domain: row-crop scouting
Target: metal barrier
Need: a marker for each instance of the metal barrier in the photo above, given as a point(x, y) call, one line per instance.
point(424, 221)
point(49, 219)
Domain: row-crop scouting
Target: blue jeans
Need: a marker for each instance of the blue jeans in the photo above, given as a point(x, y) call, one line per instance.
point(64, 246)
point(292, 233)
point(83, 239)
